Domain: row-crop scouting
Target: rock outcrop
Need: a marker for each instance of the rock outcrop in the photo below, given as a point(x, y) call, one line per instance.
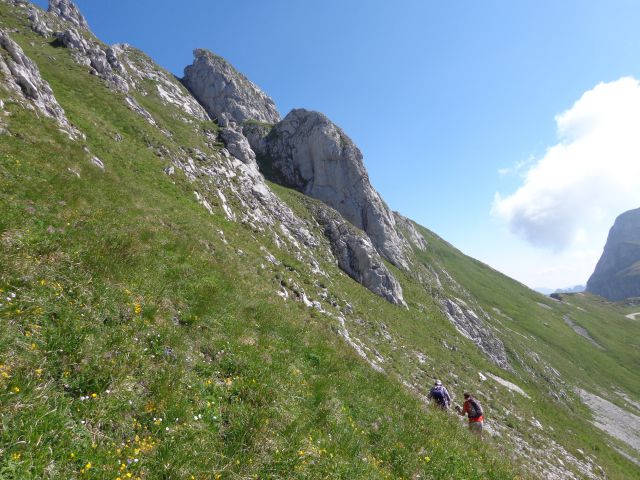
point(227, 95)
point(470, 325)
point(103, 62)
point(617, 274)
point(140, 69)
point(38, 25)
point(230, 98)
point(357, 257)
point(308, 152)
point(23, 76)
point(410, 231)
point(69, 12)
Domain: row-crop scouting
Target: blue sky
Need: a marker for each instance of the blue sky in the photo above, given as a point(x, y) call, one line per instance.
point(439, 96)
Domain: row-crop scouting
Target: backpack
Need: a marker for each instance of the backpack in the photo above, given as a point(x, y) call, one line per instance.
point(475, 409)
point(437, 393)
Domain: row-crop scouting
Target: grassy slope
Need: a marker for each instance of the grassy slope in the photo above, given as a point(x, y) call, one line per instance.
point(126, 294)
point(578, 361)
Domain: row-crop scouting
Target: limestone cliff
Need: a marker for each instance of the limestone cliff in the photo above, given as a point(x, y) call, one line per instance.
point(310, 153)
point(617, 274)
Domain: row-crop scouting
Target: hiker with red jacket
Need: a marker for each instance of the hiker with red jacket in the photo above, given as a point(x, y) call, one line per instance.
point(473, 410)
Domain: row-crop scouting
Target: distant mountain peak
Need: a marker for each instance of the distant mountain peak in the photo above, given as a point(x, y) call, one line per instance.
point(617, 274)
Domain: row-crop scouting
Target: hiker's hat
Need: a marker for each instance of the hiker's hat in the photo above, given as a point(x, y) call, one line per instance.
point(438, 382)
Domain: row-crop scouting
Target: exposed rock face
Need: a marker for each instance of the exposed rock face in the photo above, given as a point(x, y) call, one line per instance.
point(38, 25)
point(103, 62)
point(357, 256)
point(470, 325)
point(617, 274)
point(410, 231)
point(141, 68)
point(23, 76)
point(230, 98)
point(308, 152)
point(227, 95)
point(68, 11)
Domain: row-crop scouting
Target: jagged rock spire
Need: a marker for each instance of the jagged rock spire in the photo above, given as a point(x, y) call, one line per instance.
point(67, 10)
point(226, 94)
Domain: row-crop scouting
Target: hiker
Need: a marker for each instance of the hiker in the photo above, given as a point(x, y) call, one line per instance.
point(473, 410)
point(439, 395)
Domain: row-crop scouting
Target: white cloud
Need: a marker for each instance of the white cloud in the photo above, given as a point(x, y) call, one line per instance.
point(517, 168)
point(571, 196)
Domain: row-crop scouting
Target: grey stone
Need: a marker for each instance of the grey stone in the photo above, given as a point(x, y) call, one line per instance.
point(308, 152)
point(471, 326)
point(226, 94)
point(617, 274)
point(104, 62)
point(238, 145)
point(69, 12)
point(97, 162)
point(38, 25)
point(23, 76)
point(357, 256)
point(410, 232)
point(140, 69)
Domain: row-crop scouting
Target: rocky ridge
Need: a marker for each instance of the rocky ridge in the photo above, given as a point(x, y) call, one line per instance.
point(68, 11)
point(102, 61)
point(140, 69)
point(224, 180)
point(238, 103)
point(617, 274)
point(310, 153)
point(227, 95)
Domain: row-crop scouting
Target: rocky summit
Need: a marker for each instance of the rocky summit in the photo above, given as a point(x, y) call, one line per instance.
point(617, 274)
point(308, 152)
point(193, 287)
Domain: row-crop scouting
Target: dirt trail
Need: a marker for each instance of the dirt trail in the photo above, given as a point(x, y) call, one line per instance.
point(632, 316)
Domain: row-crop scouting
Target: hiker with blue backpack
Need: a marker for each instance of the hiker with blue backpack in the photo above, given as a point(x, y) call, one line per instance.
point(473, 410)
point(439, 395)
